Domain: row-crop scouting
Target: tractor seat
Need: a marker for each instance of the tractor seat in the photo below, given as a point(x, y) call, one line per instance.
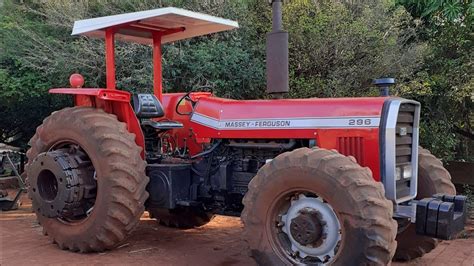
point(147, 106)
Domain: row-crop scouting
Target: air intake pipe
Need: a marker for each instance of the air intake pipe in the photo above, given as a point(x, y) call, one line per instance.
point(384, 85)
point(277, 54)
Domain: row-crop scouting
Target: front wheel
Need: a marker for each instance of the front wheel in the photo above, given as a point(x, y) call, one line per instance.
point(312, 206)
point(433, 178)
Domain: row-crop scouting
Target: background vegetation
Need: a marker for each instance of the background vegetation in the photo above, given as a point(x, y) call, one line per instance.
point(336, 48)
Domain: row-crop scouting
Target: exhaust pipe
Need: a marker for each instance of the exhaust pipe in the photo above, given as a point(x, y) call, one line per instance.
point(277, 54)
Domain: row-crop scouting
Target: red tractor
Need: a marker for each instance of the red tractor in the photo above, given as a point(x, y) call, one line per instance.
point(315, 181)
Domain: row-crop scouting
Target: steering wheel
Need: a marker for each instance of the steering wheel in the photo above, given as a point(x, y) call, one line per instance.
point(188, 98)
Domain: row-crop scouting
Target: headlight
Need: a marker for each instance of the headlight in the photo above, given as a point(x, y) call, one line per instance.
point(407, 172)
point(398, 173)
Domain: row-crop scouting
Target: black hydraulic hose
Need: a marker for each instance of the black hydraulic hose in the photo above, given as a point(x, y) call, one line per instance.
point(206, 152)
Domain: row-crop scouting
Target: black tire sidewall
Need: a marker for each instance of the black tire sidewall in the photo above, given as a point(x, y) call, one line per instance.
point(51, 134)
point(297, 179)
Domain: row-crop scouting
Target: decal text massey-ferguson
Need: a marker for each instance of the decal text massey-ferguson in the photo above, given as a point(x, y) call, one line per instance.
point(282, 123)
point(257, 124)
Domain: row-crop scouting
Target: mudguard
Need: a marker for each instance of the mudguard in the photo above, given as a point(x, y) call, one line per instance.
point(111, 101)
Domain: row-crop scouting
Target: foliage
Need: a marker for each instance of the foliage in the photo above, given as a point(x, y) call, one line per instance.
point(445, 85)
point(38, 53)
point(440, 10)
point(336, 49)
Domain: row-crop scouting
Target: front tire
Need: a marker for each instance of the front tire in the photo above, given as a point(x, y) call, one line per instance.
point(327, 182)
point(433, 178)
point(119, 171)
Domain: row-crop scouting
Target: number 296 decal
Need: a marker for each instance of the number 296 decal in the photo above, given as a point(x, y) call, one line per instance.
point(360, 122)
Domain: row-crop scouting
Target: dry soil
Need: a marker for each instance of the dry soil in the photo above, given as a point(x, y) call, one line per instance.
point(218, 243)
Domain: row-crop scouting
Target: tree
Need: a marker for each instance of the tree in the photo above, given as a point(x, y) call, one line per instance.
point(445, 84)
point(38, 53)
point(336, 49)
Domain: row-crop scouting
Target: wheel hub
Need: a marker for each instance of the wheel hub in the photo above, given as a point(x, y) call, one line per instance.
point(61, 183)
point(306, 228)
point(312, 228)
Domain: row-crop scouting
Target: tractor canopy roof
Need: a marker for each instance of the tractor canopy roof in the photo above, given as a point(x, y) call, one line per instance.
point(174, 24)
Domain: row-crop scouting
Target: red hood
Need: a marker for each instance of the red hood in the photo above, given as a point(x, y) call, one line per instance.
point(220, 108)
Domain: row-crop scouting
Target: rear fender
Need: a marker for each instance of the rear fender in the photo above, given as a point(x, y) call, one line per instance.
point(111, 101)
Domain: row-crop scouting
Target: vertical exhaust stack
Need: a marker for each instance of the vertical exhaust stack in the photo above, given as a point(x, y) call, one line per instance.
point(277, 54)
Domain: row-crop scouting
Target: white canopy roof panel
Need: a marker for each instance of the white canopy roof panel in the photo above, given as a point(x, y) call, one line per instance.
point(193, 24)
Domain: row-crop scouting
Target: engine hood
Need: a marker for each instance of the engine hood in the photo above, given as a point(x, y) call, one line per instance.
point(226, 114)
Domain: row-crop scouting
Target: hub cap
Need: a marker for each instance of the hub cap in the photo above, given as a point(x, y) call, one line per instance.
point(312, 228)
point(306, 228)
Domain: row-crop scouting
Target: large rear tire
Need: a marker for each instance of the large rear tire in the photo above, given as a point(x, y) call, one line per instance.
point(433, 178)
point(182, 217)
point(119, 170)
point(332, 183)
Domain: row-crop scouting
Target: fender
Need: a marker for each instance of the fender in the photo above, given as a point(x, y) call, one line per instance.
point(111, 101)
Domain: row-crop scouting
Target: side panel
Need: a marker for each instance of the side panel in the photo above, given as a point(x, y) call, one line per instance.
point(111, 101)
point(363, 144)
point(301, 118)
point(349, 125)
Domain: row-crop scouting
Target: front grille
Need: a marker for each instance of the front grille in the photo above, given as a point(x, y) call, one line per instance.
point(404, 133)
point(403, 144)
point(399, 148)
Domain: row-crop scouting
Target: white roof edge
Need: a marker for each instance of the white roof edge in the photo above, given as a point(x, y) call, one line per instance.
point(82, 27)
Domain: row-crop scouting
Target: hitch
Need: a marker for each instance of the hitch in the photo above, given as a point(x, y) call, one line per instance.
point(441, 216)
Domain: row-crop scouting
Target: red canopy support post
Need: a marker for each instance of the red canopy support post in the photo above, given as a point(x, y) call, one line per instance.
point(157, 72)
point(110, 58)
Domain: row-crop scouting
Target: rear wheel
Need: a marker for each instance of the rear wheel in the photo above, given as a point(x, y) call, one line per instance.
point(182, 217)
point(311, 206)
point(86, 178)
point(433, 178)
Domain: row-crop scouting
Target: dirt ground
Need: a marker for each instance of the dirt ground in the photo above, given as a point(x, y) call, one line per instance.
point(218, 243)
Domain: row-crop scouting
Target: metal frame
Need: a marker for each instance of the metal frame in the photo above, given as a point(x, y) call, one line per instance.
point(197, 24)
point(155, 27)
point(138, 27)
point(157, 35)
point(406, 211)
point(388, 149)
point(7, 204)
point(110, 58)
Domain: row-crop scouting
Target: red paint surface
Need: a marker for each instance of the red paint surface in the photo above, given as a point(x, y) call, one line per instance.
point(198, 135)
point(111, 101)
point(194, 143)
point(76, 80)
point(110, 58)
point(157, 72)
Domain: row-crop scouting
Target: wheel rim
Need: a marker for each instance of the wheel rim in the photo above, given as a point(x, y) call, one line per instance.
point(69, 195)
point(304, 229)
